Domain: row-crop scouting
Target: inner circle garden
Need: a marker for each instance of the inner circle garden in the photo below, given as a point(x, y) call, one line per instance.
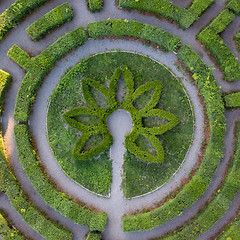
point(162, 122)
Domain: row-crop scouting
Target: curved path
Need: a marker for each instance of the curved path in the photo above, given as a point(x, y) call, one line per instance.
point(82, 17)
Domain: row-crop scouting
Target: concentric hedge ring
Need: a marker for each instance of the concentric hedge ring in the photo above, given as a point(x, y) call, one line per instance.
point(39, 66)
point(216, 116)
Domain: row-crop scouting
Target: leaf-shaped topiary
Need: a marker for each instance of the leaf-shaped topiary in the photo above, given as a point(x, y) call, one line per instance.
point(100, 114)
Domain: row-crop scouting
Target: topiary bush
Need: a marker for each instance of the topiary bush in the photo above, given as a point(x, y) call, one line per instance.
point(56, 17)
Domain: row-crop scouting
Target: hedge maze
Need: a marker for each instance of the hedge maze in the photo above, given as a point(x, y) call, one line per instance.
point(153, 190)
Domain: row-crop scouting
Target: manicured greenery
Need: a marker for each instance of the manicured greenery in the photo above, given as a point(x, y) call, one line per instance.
point(232, 232)
point(184, 17)
point(49, 21)
point(234, 5)
point(95, 5)
point(101, 127)
point(218, 205)
point(15, 13)
point(30, 214)
point(232, 100)
point(5, 80)
point(55, 199)
point(118, 27)
point(94, 236)
point(140, 176)
point(40, 65)
point(192, 191)
point(237, 41)
point(210, 38)
point(8, 232)
point(19, 56)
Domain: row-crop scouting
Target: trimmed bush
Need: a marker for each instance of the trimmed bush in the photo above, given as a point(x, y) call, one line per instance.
point(218, 205)
point(30, 214)
point(49, 21)
point(212, 41)
point(40, 65)
point(219, 24)
point(237, 41)
point(118, 27)
point(234, 5)
point(95, 5)
point(58, 201)
point(7, 231)
point(232, 100)
point(201, 180)
point(102, 113)
point(5, 80)
point(15, 13)
point(19, 56)
point(184, 17)
point(94, 236)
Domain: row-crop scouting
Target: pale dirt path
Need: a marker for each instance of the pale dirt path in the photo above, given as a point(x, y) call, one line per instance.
point(119, 124)
point(16, 219)
point(81, 18)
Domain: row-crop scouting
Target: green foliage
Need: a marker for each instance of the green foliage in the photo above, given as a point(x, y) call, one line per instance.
point(95, 5)
point(224, 56)
point(221, 21)
point(19, 56)
point(40, 65)
point(237, 41)
point(30, 214)
point(94, 236)
point(201, 180)
point(234, 5)
point(49, 21)
point(15, 13)
point(127, 105)
point(95, 174)
point(7, 232)
point(218, 205)
point(232, 232)
point(118, 27)
point(5, 80)
point(55, 199)
point(184, 17)
point(232, 100)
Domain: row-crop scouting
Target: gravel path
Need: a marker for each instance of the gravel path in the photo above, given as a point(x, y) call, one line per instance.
point(37, 120)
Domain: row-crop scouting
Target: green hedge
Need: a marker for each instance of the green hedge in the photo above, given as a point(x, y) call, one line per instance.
point(218, 205)
point(201, 180)
point(95, 5)
point(24, 207)
point(15, 13)
point(94, 236)
point(40, 66)
point(232, 100)
point(232, 232)
point(5, 80)
point(20, 57)
point(237, 41)
point(219, 24)
point(50, 20)
point(234, 5)
point(58, 201)
point(118, 27)
point(184, 17)
point(7, 232)
point(212, 41)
